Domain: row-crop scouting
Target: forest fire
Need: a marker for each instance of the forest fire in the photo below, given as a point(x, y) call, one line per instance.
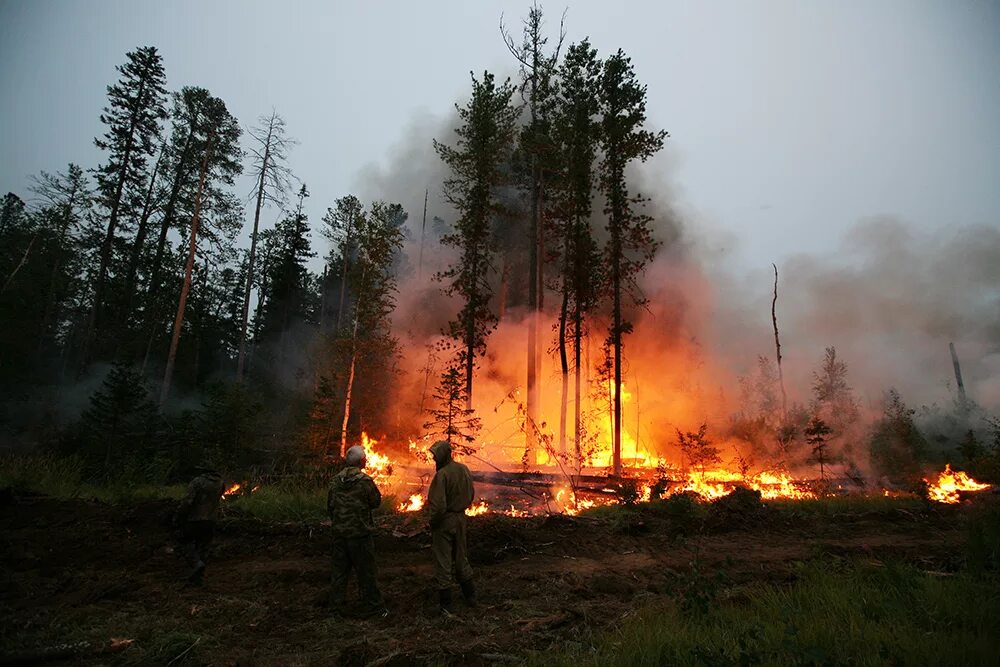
point(231, 490)
point(949, 484)
point(414, 504)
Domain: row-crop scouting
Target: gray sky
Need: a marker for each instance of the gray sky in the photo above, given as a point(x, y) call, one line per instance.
point(790, 120)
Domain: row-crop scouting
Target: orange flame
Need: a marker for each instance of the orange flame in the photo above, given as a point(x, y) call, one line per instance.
point(415, 504)
point(231, 490)
point(948, 485)
point(478, 508)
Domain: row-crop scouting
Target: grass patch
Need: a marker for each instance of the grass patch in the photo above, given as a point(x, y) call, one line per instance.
point(64, 477)
point(849, 504)
point(835, 614)
point(287, 500)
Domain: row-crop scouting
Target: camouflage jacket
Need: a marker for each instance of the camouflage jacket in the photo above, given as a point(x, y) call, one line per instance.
point(451, 491)
point(202, 500)
point(352, 497)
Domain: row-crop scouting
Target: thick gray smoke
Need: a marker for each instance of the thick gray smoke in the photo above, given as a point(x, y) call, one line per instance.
point(890, 298)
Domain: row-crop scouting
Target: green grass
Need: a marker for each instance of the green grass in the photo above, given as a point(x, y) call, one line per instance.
point(64, 478)
point(283, 501)
point(849, 504)
point(834, 614)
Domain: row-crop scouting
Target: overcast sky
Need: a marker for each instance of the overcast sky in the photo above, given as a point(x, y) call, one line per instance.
point(789, 120)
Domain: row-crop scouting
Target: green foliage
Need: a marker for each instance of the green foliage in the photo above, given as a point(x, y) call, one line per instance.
point(698, 449)
point(897, 446)
point(121, 426)
point(983, 549)
point(834, 614)
point(816, 434)
point(451, 419)
point(484, 142)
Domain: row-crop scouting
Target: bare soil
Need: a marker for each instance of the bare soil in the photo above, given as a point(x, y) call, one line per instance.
point(75, 570)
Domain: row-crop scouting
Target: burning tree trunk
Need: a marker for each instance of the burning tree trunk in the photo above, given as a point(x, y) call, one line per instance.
point(188, 269)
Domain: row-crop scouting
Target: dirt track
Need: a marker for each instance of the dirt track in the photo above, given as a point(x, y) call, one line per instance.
point(76, 570)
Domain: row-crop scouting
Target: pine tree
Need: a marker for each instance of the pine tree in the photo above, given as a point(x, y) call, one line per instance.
point(816, 437)
point(484, 141)
point(452, 420)
point(698, 449)
point(288, 297)
point(136, 106)
point(340, 228)
point(576, 135)
point(897, 445)
point(538, 70)
point(631, 244)
point(832, 396)
point(216, 134)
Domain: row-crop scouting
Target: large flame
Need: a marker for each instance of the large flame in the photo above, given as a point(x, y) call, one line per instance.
point(948, 485)
point(231, 490)
point(415, 504)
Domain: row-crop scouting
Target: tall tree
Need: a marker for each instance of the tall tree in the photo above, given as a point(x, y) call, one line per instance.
point(340, 225)
point(272, 177)
point(288, 299)
point(484, 142)
point(538, 71)
point(576, 133)
point(373, 288)
point(631, 244)
point(217, 134)
point(136, 106)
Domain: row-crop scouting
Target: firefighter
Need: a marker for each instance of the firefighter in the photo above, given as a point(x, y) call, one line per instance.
point(196, 519)
point(352, 497)
point(451, 493)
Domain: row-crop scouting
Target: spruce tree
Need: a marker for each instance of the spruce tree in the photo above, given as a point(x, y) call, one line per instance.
point(484, 142)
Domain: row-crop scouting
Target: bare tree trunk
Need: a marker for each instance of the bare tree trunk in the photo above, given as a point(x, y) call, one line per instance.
point(962, 398)
point(186, 287)
point(350, 374)
point(577, 422)
point(504, 287)
point(777, 347)
point(423, 227)
point(564, 361)
point(616, 337)
point(135, 254)
point(241, 360)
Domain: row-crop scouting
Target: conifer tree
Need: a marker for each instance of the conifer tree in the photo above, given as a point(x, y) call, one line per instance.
point(631, 244)
point(484, 142)
point(216, 138)
point(452, 419)
point(576, 135)
point(136, 106)
point(272, 185)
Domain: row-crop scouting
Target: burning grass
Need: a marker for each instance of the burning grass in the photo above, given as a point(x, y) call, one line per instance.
point(903, 616)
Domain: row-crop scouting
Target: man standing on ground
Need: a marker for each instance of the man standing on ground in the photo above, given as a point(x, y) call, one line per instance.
point(353, 495)
point(451, 493)
point(196, 518)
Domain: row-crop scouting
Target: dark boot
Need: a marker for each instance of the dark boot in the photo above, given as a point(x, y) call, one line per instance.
point(469, 592)
point(444, 600)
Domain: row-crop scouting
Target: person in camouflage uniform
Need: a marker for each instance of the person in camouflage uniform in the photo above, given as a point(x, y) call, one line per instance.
point(352, 497)
point(451, 493)
point(196, 519)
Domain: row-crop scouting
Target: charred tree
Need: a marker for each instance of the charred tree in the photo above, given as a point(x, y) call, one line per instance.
point(777, 346)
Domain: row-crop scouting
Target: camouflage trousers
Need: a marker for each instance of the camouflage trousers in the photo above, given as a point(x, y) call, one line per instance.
point(357, 554)
point(450, 553)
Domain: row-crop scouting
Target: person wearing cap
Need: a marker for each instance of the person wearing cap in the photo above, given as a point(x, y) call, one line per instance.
point(451, 493)
point(196, 519)
point(352, 497)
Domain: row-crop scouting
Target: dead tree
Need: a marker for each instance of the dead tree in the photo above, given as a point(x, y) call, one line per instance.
point(777, 346)
point(272, 185)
